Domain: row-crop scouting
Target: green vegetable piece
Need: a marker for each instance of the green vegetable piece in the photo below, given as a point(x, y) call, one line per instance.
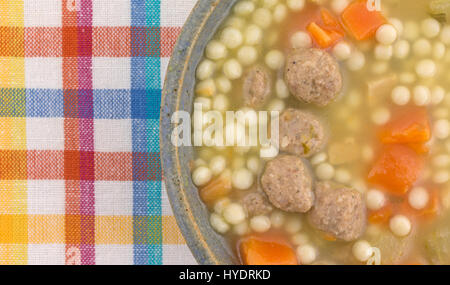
point(440, 10)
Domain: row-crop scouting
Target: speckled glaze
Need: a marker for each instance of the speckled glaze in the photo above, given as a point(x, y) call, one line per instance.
point(207, 246)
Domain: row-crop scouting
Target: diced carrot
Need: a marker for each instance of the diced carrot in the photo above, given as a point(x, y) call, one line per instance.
point(265, 250)
point(382, 215)
point(419, 148)
point(361, 22)
point(216, 189)
point(322, 37)
point(397, 168)
point(411, 127)
point(330, 21)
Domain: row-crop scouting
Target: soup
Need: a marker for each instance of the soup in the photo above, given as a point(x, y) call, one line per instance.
point(359, 94)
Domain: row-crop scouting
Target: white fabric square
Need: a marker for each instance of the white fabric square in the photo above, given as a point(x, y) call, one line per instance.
point(46, 254)
point(164, 65)
point(113, 198)
point(165, 204)
point(113, 254)
point(112, 13)
point(43, 13)
point(111, 73)
point(112, 135)
point(45, 133)
point(46, 197)
point(43, 73)
point(175, 12)
point(177, 254)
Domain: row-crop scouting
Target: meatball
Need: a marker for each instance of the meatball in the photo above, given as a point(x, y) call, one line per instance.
point(313, 76)
point(256, 203)
point(288, 184)
point(301, 133)
point(338, 211)
point(257, 85)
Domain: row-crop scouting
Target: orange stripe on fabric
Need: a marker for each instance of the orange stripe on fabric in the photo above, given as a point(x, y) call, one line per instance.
point(171, 232)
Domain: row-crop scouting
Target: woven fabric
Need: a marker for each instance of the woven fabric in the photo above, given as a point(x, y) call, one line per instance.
point(80, 90)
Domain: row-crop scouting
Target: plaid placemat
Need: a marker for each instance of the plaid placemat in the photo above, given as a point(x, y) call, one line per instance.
point(80, 91)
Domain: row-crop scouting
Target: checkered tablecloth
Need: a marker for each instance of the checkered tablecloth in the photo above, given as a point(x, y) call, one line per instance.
point(80, 91)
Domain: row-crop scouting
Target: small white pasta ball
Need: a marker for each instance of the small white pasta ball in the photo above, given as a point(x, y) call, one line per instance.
point(398, 25)
point(301, 40)
point(386, 34)
point(343, 176)
point(401, 49)
point(274, 59)
point(411, 30)
point(218, 164)
point(367, 153)
point(277, 219)
point(426, 68)
point(223, 84)
point(438, 50)
point(430, 27)
point(418, 198)
point(216, 50)
point(381, 116)
point(445, 35)
point(279, 13)
point(422, 95)
point(247, 55)
point(262, 17)
point(242, 179)
point(218, 223)
point(441, 129)
point(253, 35)
point(276, 105)
point(232, 69)
point(437, 95)
point(281, 89)
point(205, 103)
point(338, 6)
point(235, 22)
point(241, 229)
point(231, 37)
point(319, 158)
point(306, 254)
point(300, 239)
point(244, 8)
point(325, 171)
point(342, 51)
point(220, 103)
point(201, 175)
point(234, 214)
point(422, 47)
point(253, 164)
point(375, 200)
point(401, 95)
point(205, 69)
point(383, 52)
point(260, 224)
point(442, 160)
point(362, 250)
point(295, 5)
point(441, 177)
point(400, 225)
point(356, 61)
point(293, 225)
point(220, 205)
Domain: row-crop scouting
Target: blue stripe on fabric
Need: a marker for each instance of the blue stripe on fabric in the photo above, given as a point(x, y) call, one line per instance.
point(145, 103)
point(46, 103)
point(145, 131)
point(146, 73)
point(145, 13)
point(112, 104)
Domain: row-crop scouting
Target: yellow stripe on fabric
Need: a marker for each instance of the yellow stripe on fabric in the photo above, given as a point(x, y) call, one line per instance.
point(13, 229)
point(12, 133)
point(114, 230)
point(12, 72)
point(171, 232)
point(13, 254)
point(11, 13)
point(13, 197)
point(46, 229)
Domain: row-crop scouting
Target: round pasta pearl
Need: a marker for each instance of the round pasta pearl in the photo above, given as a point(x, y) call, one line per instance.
point(441, 129)
point(201, 175)
point(300, 239)
point(343, 176)
point(274, 59)
point(217, 164)
point(244, 8)
point(205, 69)
point(422, 95)
point(216, 50)
point(375, 200)
point(430, 27)
point(441, 177)
point(338, 6)
point(232, 69)
point(306, 254)
point(205, 103)
point(426, 68)
point(401, 95)
point(422, 47)
point(218, 223)
point(356, 61)
point(418, 198)
point(438, 50)
point(220, 103)
point(242, 179)
point(281, 89)
point(381, 116)
point(319, 158)
point(400, 225)
point(253, 35)
point(260, 224)
point(234, 214)
point(437, 95)
point(247, 55)
point(293, 225)
point(362, 250)
point(383, 52)
point(277, 219)
point(241, 229)
point(325, 171)
point(262, 17)
point(279, 13)
point(401, 49)
point(342, 51)
point(301, 40)
point(445, 35)
point(253, 164)
point(231, 37)
point(386, 34)
point(223, 84)
point(398, 25)
point(295, 5)
point(442, 160)
point(235, 22)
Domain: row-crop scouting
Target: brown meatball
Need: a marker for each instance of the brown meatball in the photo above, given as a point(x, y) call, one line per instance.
point(301, 133)
point(288, 184)
point(312, 75)
point(256, 203)
point(338, 211)
point(257, 85)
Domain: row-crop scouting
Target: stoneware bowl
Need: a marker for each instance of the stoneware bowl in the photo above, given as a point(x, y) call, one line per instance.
point(192, 216)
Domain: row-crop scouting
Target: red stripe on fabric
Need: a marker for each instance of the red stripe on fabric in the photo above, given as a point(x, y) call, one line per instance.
point(111, 41)
point(43, 42)
point(169, 36)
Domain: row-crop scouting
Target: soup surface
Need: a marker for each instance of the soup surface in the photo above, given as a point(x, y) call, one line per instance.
point(357, 94)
